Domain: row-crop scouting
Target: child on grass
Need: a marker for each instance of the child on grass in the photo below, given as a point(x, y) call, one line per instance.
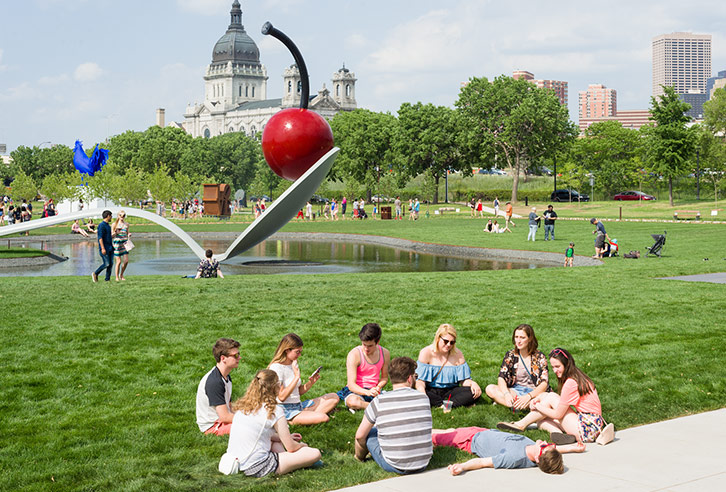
point(569, 254)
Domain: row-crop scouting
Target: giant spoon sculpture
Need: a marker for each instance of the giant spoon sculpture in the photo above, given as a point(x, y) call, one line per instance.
point(298, 146)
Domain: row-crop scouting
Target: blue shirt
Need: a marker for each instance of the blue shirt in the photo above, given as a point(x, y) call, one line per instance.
point(446, 377)
point(506, 450)
point(600, 228)
point(104, 234)
point(532, 218)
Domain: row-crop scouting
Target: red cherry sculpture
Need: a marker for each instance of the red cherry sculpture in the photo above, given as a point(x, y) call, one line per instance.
point(295, 138)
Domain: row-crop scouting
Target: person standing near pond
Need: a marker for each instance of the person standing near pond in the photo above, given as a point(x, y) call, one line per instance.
point(105, 246)
point(533, 224)
point(120, 234)
point(343, 206)
point(550, 216)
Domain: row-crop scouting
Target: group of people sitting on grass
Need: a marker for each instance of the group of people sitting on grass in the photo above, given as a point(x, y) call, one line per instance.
point(397, 428)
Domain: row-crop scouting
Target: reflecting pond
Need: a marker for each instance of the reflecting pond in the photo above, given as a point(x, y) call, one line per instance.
point(166, 256)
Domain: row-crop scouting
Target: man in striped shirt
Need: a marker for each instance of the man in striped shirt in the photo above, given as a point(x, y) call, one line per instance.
point(396, 429)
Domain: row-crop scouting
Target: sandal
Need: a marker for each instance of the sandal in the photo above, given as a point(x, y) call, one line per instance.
point(509, 427)
point(607, 434)
point(560, 438)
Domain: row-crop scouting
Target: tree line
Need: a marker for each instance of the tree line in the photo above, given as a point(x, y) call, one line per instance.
point(503, 123)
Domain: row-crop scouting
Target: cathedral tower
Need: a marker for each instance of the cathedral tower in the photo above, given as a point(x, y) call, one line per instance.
point(344, 89)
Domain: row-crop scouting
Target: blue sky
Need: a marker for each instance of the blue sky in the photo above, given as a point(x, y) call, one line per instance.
point(89, 68)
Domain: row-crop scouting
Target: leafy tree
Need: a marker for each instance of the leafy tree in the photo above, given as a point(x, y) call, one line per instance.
point(266, 182)
point(234, 157)
point(610, 153)
point(513, 120)
point(365, 139)
point(161, 146)
point(131, 187)
point(712, 157)
point(196, 160)
point(426, 140)
point(185, 187)
point(60, 187)
point(123, 149)
point(39, 163)
point(669, 144)
point(23, 187)
point(160, 184)
point(103, 185)
point(714, 112)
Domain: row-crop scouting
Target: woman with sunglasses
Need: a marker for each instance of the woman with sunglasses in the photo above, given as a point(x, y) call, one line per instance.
point(443, 373)
point(497, 449)
point(554, 412)
point(523, 374)
point(297, 411)
point(120, 234)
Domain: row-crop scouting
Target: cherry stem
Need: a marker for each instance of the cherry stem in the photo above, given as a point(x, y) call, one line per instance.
point(268, 29)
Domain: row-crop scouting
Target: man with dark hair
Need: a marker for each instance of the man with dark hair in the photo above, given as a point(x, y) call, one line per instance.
point(208, 267)
point(366, 368)
point(105, 246)
point(400, 442)
point(600, 238)
point(214, 415)
point(550, 216)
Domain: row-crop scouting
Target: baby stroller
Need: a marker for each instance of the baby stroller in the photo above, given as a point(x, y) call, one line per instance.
point(657, 248)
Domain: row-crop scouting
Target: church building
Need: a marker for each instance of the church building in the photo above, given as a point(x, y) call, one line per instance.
point(235, 88)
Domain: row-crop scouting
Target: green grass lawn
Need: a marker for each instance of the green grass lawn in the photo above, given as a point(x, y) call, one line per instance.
point(6, 252)
point(99, 380)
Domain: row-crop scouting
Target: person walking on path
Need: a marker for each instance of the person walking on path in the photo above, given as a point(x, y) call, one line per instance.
point(496, 206)
point(105, 246)
point(396, 427)
point(533, 224)
point(214, 392)
point(550, 216)
point(120, 234)
point(508, 215)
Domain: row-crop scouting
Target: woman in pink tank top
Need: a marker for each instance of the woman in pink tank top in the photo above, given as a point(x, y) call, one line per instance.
point(367, 369)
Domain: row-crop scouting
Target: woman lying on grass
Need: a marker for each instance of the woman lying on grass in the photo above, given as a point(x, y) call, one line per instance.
point(298, 412)
point(260, 442)
point(554, 413)
point(523, 375)
point(443, 373)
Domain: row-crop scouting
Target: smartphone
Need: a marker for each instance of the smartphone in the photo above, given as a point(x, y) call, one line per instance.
point(316, 372)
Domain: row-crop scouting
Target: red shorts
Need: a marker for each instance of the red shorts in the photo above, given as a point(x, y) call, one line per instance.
point(458, 438)
point(219, 428)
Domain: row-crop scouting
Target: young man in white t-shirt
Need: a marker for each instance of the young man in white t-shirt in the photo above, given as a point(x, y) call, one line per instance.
point(214, 393)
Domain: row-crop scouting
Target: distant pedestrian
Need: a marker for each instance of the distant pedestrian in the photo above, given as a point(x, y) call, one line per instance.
point(397, 204)
point(343, 206)
point(480, 208)
point(416, 209)
point(508, 215)
point(533, 224)
point(550, 216)
point(569, 254)
point(496, 206)
point(308, 211)
point(600, 238)
point(105, 246)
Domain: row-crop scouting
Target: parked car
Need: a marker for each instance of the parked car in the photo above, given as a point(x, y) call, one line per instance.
point(568, 195)
point(254, 198)
point(492, 171)
point(633, 195)
point(318, 199)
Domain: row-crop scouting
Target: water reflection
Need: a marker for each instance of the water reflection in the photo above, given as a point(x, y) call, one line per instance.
point(172, 257)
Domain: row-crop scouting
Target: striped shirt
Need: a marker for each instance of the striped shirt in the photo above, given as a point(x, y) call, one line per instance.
point(403, 420)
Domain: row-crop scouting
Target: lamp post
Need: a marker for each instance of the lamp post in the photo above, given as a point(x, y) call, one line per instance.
point(43, 143)
point(698, 175)
point(446, 187)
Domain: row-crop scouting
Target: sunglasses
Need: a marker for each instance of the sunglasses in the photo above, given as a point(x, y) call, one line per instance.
point(542, 447)
point(448, 342)
point(236, 356)
point(559, 351)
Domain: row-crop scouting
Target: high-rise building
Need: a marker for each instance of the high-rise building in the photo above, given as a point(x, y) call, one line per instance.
point(682, 60)
point(558, 86)
point(714, 83)
point(597, 102)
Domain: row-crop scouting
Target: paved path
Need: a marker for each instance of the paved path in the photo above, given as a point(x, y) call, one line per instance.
point(715, 278)
point(679, 455)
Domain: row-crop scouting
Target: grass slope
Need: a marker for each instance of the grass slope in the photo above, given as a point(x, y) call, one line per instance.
point(98, 380)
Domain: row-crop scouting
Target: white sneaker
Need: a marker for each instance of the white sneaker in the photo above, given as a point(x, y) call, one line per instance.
point(607, 434)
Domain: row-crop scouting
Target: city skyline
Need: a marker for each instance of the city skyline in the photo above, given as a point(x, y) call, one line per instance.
point(80, 69)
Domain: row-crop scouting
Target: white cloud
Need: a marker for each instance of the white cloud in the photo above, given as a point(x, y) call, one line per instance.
point(2, 67)
point(22, 92)
point(356, 41)
point(205, 7)
point(87, 72)
point(53, 80)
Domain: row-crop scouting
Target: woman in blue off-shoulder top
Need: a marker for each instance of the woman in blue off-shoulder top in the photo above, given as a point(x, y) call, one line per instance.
point(443, 373)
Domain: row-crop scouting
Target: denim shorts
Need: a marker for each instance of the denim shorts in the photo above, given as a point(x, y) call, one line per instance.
point(346, 392)
point(292, 409)
point(521, 390)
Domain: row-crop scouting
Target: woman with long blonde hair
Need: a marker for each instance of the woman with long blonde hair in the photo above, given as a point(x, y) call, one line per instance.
point(297, 411)
point(260, 442)
point(443, 373)
point(120, 235)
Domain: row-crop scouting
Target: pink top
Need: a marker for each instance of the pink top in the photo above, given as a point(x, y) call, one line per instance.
point(367, 374)
point(589, 403)
point(75, 227)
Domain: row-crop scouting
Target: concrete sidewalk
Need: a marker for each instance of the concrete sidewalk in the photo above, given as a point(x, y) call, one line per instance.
point(683, 454)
